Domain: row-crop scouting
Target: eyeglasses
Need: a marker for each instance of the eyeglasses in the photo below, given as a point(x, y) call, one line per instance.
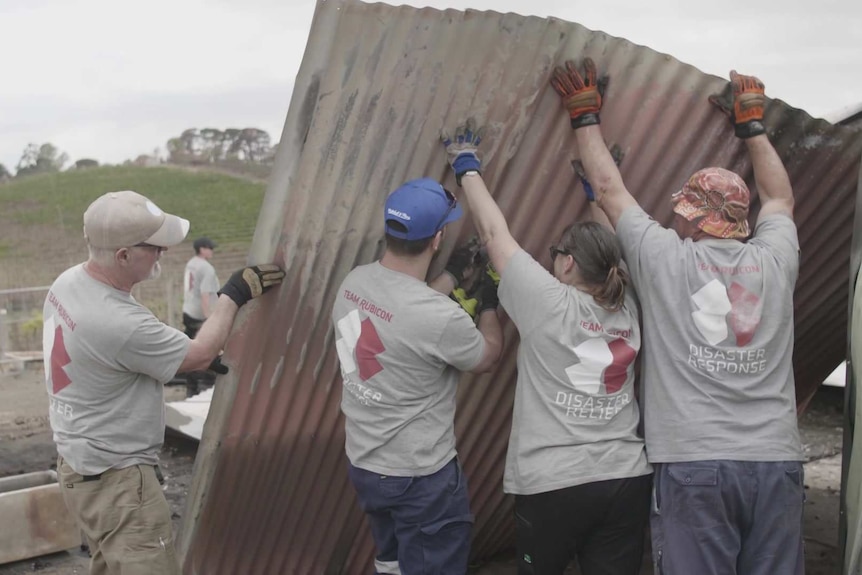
point(150, 246)
point(555, 251)
point(452, 203)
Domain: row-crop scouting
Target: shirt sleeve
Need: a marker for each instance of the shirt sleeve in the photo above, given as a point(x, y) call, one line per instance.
point(461, 344)
point(777, 235)
point(645, 243)
point(529, 293)
point(154, 349)
point(209, 281)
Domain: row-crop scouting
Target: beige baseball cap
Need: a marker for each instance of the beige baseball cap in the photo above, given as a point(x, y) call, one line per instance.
point(124, 219)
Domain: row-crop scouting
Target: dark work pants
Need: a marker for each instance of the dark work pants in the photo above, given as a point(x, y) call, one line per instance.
point(602, 524)
point(728, 518)
point(420, 525)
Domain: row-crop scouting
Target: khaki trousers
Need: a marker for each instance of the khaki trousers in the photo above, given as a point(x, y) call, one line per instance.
point(125, 517)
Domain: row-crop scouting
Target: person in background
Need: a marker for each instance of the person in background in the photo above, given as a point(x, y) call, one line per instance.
point(200, 284)
point(107, 359)
point(720, 403)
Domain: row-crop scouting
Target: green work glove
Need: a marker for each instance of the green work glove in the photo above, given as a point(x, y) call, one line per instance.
point(250, 282)
point(580, 95)
point(746, 110)
point(467, 303)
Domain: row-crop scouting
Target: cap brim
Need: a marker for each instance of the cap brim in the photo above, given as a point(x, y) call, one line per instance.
point(172, 231)
point(454, 215)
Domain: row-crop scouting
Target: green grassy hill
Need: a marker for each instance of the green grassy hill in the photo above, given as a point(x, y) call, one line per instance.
point(41, 227)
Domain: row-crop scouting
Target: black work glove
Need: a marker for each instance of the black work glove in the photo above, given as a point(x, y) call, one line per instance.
point(217, 366)
point(250, 282)
point(487, 291)
point(461, 259)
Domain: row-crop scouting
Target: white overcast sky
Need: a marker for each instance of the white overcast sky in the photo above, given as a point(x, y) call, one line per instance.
point(111, 79)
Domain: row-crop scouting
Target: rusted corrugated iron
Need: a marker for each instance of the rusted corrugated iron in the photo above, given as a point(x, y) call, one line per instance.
point(377, 82)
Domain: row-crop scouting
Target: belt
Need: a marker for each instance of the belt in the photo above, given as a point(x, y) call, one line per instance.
point(98, 476)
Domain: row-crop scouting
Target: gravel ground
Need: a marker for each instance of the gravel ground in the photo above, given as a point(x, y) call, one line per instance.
point(26, 445)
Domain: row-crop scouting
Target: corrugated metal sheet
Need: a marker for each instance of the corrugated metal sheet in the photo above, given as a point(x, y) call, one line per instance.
point(377, 82)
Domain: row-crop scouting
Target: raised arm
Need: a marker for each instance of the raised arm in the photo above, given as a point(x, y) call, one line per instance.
point(746, 114)
point(487, 217)
point(582, 97)
point(243, 285)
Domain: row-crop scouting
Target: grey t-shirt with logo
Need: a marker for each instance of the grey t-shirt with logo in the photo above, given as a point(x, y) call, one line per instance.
point(718, 333)
point(107, 359)
point(200, 278)
point(400, 345)
point(575, 418)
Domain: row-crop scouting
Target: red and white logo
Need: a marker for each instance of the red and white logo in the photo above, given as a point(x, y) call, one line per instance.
point(603, 368)
point(719, 307)
point(358, 346)
point(54, 347)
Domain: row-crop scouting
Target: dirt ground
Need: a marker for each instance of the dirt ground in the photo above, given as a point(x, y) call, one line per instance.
point(26, 446)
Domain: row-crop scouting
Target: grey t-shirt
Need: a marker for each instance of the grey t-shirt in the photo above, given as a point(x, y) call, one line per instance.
point(575, 417)
point(107, 358)
point(400, 344)
point(199, 280)
point(718, 333)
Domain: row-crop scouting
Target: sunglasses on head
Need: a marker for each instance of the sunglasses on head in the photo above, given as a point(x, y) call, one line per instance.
point(555, 251)
point(450, 198)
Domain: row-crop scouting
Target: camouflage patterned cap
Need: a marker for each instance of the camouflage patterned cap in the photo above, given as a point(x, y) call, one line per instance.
point(716, 200)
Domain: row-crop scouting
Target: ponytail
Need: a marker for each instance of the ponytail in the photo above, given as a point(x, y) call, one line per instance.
point(612, 294)
point(599, 259)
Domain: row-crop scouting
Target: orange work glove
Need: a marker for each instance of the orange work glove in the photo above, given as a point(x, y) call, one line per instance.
point(746, 114)
point(581, 95)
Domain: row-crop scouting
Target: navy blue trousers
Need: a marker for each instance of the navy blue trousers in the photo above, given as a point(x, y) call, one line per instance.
point(728, 518)
point(420, 525)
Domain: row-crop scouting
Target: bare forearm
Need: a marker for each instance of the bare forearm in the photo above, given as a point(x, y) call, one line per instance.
point(602, 172)
point(489, 327)
point(598, 215)
point(487, 217)
point(489, 221)
point(773, 183)
point(444, 283)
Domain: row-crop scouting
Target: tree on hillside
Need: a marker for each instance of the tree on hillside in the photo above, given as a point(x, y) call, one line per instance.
point(4, 173)
point(84, 163)
point(211, 145)
point(40, 159)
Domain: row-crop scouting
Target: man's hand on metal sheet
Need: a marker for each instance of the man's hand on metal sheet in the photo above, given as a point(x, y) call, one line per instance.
point(580, 95)
point(250, 282)
point(463, 150)
point(461, 262)
point(746, 109)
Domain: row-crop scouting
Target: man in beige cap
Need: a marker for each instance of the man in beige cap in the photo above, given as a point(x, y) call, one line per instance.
point(720, 404)
point(107, 358)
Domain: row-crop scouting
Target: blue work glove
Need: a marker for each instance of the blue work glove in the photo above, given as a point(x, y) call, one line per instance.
point(463, 151)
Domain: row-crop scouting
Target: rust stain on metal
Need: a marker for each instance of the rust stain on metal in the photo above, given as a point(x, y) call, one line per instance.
point(270, 493)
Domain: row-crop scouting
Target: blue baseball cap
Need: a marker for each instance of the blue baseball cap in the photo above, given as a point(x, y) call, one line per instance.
point(423, 207)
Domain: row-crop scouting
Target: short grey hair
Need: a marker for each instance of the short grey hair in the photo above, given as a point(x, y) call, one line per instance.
point(102, 256)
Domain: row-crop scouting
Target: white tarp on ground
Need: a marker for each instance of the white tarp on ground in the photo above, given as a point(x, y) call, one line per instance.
point(188, 416)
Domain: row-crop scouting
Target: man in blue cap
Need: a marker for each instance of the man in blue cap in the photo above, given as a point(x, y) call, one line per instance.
point(402, 343)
